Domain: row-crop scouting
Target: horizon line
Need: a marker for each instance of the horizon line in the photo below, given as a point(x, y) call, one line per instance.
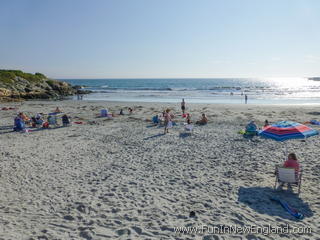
point(75, 78)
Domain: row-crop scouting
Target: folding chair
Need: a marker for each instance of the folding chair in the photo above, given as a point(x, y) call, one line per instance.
point(289, 176)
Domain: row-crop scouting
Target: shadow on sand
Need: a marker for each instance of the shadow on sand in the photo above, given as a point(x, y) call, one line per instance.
point(6, 129)
point(185, 134)
point(9, 129)
point(154, 136)
point(259, 199)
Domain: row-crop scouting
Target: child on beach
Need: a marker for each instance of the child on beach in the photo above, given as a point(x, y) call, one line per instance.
point(167, 121)
point(292, 162)
point(188, 118)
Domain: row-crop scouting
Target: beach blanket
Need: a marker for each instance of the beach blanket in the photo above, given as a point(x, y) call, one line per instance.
point(288, 208)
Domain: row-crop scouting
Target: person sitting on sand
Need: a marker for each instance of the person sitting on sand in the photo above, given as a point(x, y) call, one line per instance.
point(18, 124)
point(251, 130)
point(203, 120)
point(155, 120)
point(130, 110)
point(65, 120)
point(52, 120)
point(37, 120)
point(292, 162)
point(167, 121)
point(24, 118)
point(121, 112)
point(188, 118)
point(57, 110)
point(266, 123)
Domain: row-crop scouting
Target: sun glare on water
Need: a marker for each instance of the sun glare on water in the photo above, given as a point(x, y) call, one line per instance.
point(291, 83)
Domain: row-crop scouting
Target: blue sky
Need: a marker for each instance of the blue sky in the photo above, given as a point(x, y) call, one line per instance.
point(161, 38)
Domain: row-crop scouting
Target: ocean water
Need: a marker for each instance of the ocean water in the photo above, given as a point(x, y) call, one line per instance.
point(215, 90)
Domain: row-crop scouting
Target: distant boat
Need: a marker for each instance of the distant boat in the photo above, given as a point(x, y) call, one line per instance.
point(314, 78)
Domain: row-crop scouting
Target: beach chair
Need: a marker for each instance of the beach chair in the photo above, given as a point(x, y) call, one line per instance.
point(289, 176)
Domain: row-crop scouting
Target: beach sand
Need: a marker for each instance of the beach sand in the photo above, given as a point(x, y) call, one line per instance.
point(124, 179)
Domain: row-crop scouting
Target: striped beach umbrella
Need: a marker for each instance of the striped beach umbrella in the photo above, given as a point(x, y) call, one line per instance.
point(285, 130)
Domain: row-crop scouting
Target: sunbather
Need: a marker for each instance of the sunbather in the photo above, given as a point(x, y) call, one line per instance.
point(57, 110)
point(24, 118)
point(37, 120)
point(203, 120)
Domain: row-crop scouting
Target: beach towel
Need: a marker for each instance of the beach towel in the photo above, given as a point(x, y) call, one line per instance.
point(78, 122)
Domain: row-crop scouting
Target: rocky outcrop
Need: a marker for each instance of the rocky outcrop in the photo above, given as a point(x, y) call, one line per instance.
point(15, 84)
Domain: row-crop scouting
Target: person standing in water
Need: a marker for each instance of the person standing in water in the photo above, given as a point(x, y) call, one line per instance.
point(183, 106)
point(246, 98)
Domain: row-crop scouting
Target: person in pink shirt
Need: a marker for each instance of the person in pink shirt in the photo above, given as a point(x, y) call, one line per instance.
point(292, 162)
point(167, 121)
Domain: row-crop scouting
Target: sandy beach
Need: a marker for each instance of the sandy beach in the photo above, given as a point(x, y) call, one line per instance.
point(124, 179)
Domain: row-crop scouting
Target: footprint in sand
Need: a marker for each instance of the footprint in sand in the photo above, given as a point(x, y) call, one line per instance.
point(123, 231)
